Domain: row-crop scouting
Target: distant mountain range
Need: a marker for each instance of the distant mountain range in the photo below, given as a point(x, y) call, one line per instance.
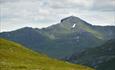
point(72, 39)
point(14, 56)
point(63, 39)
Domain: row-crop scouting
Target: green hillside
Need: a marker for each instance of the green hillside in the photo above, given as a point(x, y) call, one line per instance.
point(14, 56)
point(108, 65)
point(101, 58)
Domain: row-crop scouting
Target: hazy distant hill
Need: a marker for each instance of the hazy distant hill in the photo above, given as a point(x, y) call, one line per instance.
point(14, 56)
point(63, 39)
point(102, 57)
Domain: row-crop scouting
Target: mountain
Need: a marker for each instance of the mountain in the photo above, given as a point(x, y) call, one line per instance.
point(14, 56)
point(102, 57)
point(63, 39)
point(76, 25)
point(108, 65)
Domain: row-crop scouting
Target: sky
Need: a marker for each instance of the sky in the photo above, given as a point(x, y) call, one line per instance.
point(15, 14)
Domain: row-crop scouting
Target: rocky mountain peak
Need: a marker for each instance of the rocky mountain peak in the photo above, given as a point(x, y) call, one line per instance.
point(71, 19)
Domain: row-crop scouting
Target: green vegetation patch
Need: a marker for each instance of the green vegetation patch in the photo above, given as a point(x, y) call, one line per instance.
point(14, 56)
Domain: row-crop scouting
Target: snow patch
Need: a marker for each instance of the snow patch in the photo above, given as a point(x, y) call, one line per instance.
point(73, 25)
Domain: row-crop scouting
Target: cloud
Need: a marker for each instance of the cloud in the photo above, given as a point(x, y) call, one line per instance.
point(80, 4)
point(41, 13)
point(103, 5)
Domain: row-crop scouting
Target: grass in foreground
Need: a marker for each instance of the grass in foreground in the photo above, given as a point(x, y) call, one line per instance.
point(14, 56)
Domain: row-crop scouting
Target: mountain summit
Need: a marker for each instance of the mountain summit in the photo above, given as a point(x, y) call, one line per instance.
point(70, 18)
point(74, 20)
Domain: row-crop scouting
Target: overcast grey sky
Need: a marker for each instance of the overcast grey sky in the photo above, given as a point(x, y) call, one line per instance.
point(16, 14)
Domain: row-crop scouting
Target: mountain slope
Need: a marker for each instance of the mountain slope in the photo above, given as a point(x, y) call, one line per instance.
point(97, 57)
point(74, 24)
point(14, 56)
point(71, 34)
point(108, 65)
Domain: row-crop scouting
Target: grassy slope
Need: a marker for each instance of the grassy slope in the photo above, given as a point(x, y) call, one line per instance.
point(14, 56)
